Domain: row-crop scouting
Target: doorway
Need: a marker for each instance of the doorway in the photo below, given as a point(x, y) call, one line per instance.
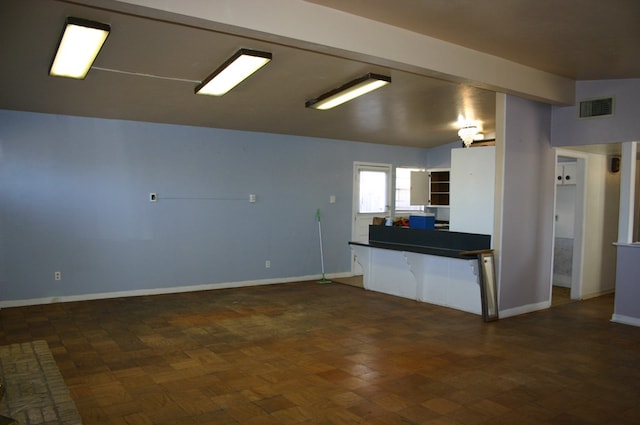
point(371, 198)
point(569, 214)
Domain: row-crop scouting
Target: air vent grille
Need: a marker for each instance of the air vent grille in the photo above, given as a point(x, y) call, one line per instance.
point(596, 107)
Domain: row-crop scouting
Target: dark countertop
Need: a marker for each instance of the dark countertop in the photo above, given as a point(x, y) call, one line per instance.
point(441, 252)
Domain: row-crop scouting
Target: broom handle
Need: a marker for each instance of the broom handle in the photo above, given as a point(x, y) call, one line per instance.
point(320, 234)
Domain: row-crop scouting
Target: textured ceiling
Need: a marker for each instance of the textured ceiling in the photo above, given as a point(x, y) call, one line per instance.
point(579, 39)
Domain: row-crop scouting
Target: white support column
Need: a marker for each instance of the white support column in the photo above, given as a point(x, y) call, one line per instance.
point(627, 191)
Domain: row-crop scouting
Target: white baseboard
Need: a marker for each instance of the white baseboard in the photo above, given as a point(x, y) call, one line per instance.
point(524, 309)
point(160, 291)
point(625, 320)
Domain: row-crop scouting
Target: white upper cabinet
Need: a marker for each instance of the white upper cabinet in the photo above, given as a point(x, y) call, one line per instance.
point(566, 173)
point(430, 188)
point(472, 189)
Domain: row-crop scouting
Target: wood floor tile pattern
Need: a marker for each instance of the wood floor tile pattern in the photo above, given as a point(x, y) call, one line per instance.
point(308, 353)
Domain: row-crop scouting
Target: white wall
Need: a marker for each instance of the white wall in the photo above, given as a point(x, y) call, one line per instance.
point(601, 227)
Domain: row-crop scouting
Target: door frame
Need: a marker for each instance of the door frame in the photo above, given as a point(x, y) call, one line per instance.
point(374, 166)
point(577, 265)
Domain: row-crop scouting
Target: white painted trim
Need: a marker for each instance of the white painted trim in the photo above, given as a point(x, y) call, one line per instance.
point(628, 245)
point(498, 208)
point(516, 311)
point(161, 291)
point(627, 191)
point(625, 320)
point(355, 215)
point(582, 172)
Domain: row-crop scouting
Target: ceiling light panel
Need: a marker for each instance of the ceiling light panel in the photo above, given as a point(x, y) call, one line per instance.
point(239, 67)
point(349, 91)
point(79, 46)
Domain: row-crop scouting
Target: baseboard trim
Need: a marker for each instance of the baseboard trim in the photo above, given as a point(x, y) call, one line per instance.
point(625, 320)
point(162, 291)
point(598, 294)
point(516, 311)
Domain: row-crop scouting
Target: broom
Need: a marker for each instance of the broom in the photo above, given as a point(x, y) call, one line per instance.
point(323, 280)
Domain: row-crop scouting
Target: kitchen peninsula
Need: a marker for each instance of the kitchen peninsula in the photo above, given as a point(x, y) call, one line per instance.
point(437, 267)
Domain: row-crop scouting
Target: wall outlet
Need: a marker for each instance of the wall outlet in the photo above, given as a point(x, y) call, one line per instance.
point(57, 276)
point(153, 197)
point(252, 198)
point(267, 264)
point(332, 199)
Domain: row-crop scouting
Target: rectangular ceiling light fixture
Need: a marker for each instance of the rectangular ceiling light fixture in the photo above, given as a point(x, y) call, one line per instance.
point(240, 66)
point(79, 45)
point(349, 91)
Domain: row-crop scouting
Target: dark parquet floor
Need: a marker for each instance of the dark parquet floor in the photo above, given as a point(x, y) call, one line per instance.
point(308, 353)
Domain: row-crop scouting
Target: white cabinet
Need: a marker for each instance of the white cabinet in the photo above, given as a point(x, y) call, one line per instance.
point(430, 188)
point(472, 189)
point(566, 173)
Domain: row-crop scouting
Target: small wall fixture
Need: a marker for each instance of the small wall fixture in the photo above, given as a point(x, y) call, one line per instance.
point(349, 91)
point(231, 73)
point(79, 46)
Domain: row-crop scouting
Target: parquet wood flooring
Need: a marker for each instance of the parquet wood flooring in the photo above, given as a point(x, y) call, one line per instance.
point(305, 353)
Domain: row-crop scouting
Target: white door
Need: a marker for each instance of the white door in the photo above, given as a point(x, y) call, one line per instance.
point(568, 229)
point(371, 198)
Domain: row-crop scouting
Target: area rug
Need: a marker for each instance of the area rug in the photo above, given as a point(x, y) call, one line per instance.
point(35, 393)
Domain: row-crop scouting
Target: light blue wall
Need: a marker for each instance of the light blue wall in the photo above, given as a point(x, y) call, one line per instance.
point(624, 126)
point(74, 198)
point(440, 156)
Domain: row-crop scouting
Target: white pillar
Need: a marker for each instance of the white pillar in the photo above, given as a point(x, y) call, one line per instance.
point(627, 191)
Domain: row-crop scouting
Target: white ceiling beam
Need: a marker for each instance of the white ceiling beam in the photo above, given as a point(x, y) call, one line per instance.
point(307, 25)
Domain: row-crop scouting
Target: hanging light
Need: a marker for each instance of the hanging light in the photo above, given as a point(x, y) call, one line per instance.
point(469, 134)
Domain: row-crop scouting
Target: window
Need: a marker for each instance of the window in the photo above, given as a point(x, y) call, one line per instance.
point(373, 187)
point(403, 189)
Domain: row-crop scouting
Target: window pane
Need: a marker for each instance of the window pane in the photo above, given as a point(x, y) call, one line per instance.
point(403, 190)
point(373, 189)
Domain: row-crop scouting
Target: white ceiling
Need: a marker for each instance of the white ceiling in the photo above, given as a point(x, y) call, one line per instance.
point(149, 67)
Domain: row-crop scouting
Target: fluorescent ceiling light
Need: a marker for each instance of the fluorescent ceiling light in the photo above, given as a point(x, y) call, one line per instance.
point(79, 45)
point(349, 91)
point(240, 66)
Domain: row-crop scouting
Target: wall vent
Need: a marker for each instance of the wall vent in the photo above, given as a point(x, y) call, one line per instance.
point(596, 107)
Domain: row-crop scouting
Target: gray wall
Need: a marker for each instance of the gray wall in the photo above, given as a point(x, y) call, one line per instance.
point(624, 126)
point(527, 205)
point(74, 198)
point(626, 299)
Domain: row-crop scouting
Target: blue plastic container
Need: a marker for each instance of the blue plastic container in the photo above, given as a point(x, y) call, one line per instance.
point(422, 222)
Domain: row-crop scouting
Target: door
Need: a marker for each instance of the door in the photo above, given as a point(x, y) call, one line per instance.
point(371, 198)
point(569, 217)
